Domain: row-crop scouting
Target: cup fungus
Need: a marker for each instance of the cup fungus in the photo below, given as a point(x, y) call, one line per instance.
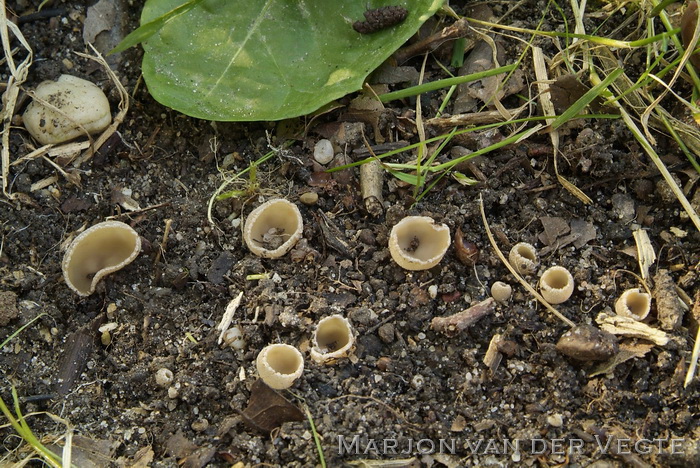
point(523, 257)
point(633, 303)
point(333, 339)
point(418, 242)
point(279, 365)
point(501, 291)
point(273, 228)
point(100, 250)
point(556, 285)
point(77, 106)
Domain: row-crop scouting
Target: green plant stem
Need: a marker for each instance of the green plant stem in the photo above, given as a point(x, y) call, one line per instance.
point(595, 39)
point(317, 439)
point(20, 426)
point(433, 85)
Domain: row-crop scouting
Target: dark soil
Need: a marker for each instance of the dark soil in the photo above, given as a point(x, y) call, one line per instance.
point(404, 381)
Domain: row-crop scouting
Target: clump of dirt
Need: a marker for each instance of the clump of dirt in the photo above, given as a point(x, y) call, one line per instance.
point(408, 391)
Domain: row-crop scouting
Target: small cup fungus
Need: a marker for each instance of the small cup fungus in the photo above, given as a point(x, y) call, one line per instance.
point(418, 242)
point(523, 257)
point(333, 339)
point(100, 250)
point(633, 303)
point(279, 365)
point(164, 377)
point(501, 291)
point(273, 228)
point(78, 106)
point(556, 285)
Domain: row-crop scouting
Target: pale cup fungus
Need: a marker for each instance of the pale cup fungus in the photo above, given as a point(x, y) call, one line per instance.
point(418, 242)
point(273, 228)
point(164, 377)
point(77, 106)
point(523, 257)
point(333, 339)
point(100, 250)
point(633, 303)
point(279, 365)
point(501, 291)
point(556, 285)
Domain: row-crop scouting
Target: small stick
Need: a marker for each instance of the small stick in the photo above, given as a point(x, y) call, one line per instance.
point(455, 323)
point(371, 181)
point(164, 241)
point(459, 28)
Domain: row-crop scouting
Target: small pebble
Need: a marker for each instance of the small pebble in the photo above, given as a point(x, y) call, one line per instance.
point(432, 291)
point(555, 420)
point(200, 425)
point(323, 152)
point(308, 198)
point(588, 343)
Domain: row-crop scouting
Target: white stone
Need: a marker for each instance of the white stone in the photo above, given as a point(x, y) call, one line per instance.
point(82, 104)
point(323, 152)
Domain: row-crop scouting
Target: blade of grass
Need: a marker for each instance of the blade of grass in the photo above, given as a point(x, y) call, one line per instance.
point(462, 132)
point(584, 100)
point(438, 84)
point(595, 39)
point(19, 330)
point(648, 148)
point(317, 439)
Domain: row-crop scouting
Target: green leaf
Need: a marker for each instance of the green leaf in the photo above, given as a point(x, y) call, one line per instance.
point(408, 178)
point(145, 31)
point(235, 60)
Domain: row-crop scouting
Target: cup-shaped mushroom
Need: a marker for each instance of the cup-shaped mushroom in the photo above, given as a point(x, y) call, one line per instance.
point(98, 251)
point(279, 365)
point(418, 242)
point(523, 257)
point(501, 291)
point(333, 339)
point(273, 228)
point(77, 106)
point(556, 285)
point(633, 303)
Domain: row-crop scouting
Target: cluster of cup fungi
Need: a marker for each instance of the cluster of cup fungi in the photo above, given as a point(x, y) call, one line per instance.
point(272, 229)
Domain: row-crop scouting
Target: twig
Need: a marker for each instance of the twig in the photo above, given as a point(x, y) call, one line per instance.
point(459, 28)
point(455, 323)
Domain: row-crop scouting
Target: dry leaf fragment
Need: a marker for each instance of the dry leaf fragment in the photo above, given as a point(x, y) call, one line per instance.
point(179, 446)
point(554, 227)
point(493, 356)
point(645, 252)
point(142, 458)
point(228, 316)
point(267, 409)
point(627, 352)
point(627, 326)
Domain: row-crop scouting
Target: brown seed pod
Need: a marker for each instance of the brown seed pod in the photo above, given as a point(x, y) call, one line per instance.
point(380, 18)
point(467, 252)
